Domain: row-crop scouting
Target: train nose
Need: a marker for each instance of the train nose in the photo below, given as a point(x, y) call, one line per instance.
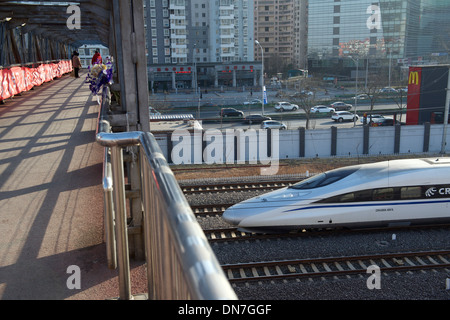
point(232, 216)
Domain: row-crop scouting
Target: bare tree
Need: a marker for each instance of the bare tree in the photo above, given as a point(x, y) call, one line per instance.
point(162, 105)
point(304, 101)
point(400, 98)
point(373, 89)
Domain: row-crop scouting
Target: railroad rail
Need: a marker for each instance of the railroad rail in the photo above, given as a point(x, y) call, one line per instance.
point(210, 209)
point(237, 186)
point(234, 234)
point(336, 266)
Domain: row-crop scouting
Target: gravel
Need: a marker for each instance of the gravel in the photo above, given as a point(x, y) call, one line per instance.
point(404, 286)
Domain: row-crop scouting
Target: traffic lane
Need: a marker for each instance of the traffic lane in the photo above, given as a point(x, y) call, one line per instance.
point(206, 112)
point(293, 124)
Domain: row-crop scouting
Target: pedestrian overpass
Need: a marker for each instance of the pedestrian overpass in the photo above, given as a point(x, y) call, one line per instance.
point(89, 207)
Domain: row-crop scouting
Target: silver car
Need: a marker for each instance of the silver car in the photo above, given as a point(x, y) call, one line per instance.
point(322, 109)
point(341, 116)
point(272, 124)
point(285, 106)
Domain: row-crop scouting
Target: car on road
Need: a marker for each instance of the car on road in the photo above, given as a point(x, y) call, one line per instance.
point(272, 124)
point(361, 96)
point(153, 112)
point(231, 112)
point(253, 101)
point(373, 118)
point(388, 90)
point(322, 109)
point(341, 106)
point(386, 122)
point(302, 93)
point(256, 118)
point(285, 106)
point(341, 116)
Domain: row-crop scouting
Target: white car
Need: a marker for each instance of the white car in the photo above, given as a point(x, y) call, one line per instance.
point(373, 118)
point(272, 124)
point(342, 116)
point(254, 101)
point(285, 106)
point(322, 109)
point(388, 90)
point(153, 112)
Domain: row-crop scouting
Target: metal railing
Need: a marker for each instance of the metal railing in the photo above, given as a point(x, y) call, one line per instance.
point(180, 261)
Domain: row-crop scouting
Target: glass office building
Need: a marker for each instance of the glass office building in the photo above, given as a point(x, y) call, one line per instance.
point(398, 30)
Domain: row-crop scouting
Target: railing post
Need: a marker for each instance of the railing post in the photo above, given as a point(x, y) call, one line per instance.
point(121, 223)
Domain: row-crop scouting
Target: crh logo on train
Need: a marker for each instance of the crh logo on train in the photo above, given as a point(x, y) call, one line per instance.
point(431, 192)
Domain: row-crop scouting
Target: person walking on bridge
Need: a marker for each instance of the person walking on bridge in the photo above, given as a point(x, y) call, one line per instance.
point(76, 63)
point(97, 58)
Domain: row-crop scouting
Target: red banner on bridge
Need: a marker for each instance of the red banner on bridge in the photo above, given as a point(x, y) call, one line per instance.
point(19, 79)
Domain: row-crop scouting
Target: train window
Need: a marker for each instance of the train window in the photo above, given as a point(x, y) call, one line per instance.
point(383, 194)
point(348, 197)
point(363, 195)
point(410, 193)
point(324, 179)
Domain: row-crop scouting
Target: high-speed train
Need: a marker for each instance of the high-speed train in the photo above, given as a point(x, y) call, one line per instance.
point(388, 193)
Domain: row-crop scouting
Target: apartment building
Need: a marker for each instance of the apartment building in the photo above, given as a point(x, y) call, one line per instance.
point(281, 29)
point(195, 42)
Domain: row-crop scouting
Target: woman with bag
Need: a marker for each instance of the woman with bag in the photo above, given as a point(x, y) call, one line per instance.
point(76, 63)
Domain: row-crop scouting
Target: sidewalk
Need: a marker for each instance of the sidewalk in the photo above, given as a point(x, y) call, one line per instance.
point(51, 199)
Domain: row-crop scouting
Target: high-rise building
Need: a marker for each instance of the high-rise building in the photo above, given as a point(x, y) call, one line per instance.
point(197, 36)
point(180, 31)
point(395, 30)
point(281, 29)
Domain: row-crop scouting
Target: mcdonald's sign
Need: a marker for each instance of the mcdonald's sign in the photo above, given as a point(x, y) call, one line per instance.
point(427, 91)
point(414, 78)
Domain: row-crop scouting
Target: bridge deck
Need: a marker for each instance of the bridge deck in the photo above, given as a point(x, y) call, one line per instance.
point(51, 200)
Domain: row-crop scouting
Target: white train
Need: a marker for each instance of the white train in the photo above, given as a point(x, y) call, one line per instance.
point(388, 193)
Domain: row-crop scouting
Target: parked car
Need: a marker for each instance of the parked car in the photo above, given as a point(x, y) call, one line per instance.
point(153, 112)
point(285, 106)
point(341, 106)
point(373, 118)
point(361, 96)
point(272, 124)
point(231, 112)
point(388, 90)
point(302, 93)
point(256, 118)
point(322, 109)
point(253, 101)
point(341, 116)
point(386, 122)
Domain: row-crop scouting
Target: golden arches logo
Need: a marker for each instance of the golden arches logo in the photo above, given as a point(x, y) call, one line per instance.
point(414, 78)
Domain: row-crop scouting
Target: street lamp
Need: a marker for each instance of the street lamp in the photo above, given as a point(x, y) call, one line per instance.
point(356, 87)
point(262, 74)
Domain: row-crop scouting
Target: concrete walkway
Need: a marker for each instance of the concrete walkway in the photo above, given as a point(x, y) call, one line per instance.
point(51, 200)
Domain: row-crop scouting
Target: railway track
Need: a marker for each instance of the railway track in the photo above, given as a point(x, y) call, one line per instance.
point(237, 187)
point(233, 234)
point(336, 266)
point(210, 209)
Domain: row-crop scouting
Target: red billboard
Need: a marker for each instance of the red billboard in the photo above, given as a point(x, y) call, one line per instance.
point(414, 89)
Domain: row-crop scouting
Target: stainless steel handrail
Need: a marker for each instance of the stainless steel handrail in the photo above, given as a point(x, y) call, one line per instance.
point(180, 261)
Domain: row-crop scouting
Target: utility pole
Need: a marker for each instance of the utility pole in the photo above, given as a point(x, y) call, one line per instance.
point(447, 102)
